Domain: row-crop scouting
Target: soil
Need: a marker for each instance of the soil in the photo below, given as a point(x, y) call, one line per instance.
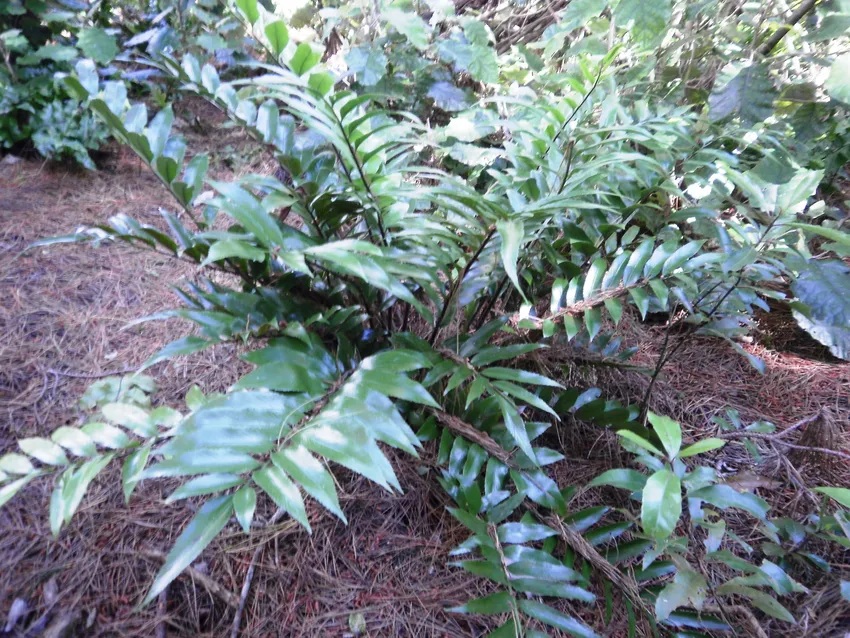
point(64, 307)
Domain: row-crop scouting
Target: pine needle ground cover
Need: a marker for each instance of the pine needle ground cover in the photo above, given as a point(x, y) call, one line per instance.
point(542, 314)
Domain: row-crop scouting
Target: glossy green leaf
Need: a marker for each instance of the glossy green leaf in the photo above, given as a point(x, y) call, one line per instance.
point(634, 268)
point(668, 431)
point(497, 603)
point(184, 346)
point(97, 44)
point(13, 463)
point(283, 491)
point(520, 376)
point(824, 288)
point(639, 440)
point(840, 494)
point(767, 603)
point(680, 256)
point(687, 586)
point(304, 59)
point(75, 441)
point(230, 248)
point(397, 385)
point(249, 9)
point(662, 504)
point(78, 481)
point(130, 416)
point(322, 83)
point(203, 461)
point(277, 35)
point(524, 395)
point(837, 84)
point(622, 478)
point(554, 618)
point(410, 25)
point(723, 496)
point(158, 131)
point(706, 445)
point(593, 278)
point(207, 523)
point(516, 427)
point(131, 472)
point(8, 490)
point(498, 353)
point(244, 506)
point(512, 233)
point(311, 474)
point(524, 532)
point(203, 485)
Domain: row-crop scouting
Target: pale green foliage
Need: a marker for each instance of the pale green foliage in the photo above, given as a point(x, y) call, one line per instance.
point(532, 219)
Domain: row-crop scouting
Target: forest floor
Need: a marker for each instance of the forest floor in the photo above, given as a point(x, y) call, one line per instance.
point(61, 322)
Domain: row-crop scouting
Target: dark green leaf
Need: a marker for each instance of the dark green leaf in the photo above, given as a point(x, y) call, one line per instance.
point(497, 603)
point(555, 619)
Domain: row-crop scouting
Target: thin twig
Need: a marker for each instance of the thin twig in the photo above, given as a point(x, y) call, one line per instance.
point(93, 375)
point(775, 438)
point(775, 435)
point(576, 110)
point(246, 587)
point(588, 552)
point(457, 284)
point(208, 583)
point(781, 32)
point(470, 433)
point(161, 609)
point(793, 446)
point(758, 632)
point(664, 359)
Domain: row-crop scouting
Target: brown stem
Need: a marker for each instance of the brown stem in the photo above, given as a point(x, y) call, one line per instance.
point(246, 587)
point(456, 285)
point(758, 632)
point(161, 609)
point(569, 535)
point(775, 438)
point(583, 548)
point(781, 32)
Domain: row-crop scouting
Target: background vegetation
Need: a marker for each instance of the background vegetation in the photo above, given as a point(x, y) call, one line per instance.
point(468, 205)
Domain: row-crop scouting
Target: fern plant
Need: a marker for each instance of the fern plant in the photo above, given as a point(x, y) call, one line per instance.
point(388, 290)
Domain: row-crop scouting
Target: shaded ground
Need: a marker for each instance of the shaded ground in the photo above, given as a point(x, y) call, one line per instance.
point(61, 318)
